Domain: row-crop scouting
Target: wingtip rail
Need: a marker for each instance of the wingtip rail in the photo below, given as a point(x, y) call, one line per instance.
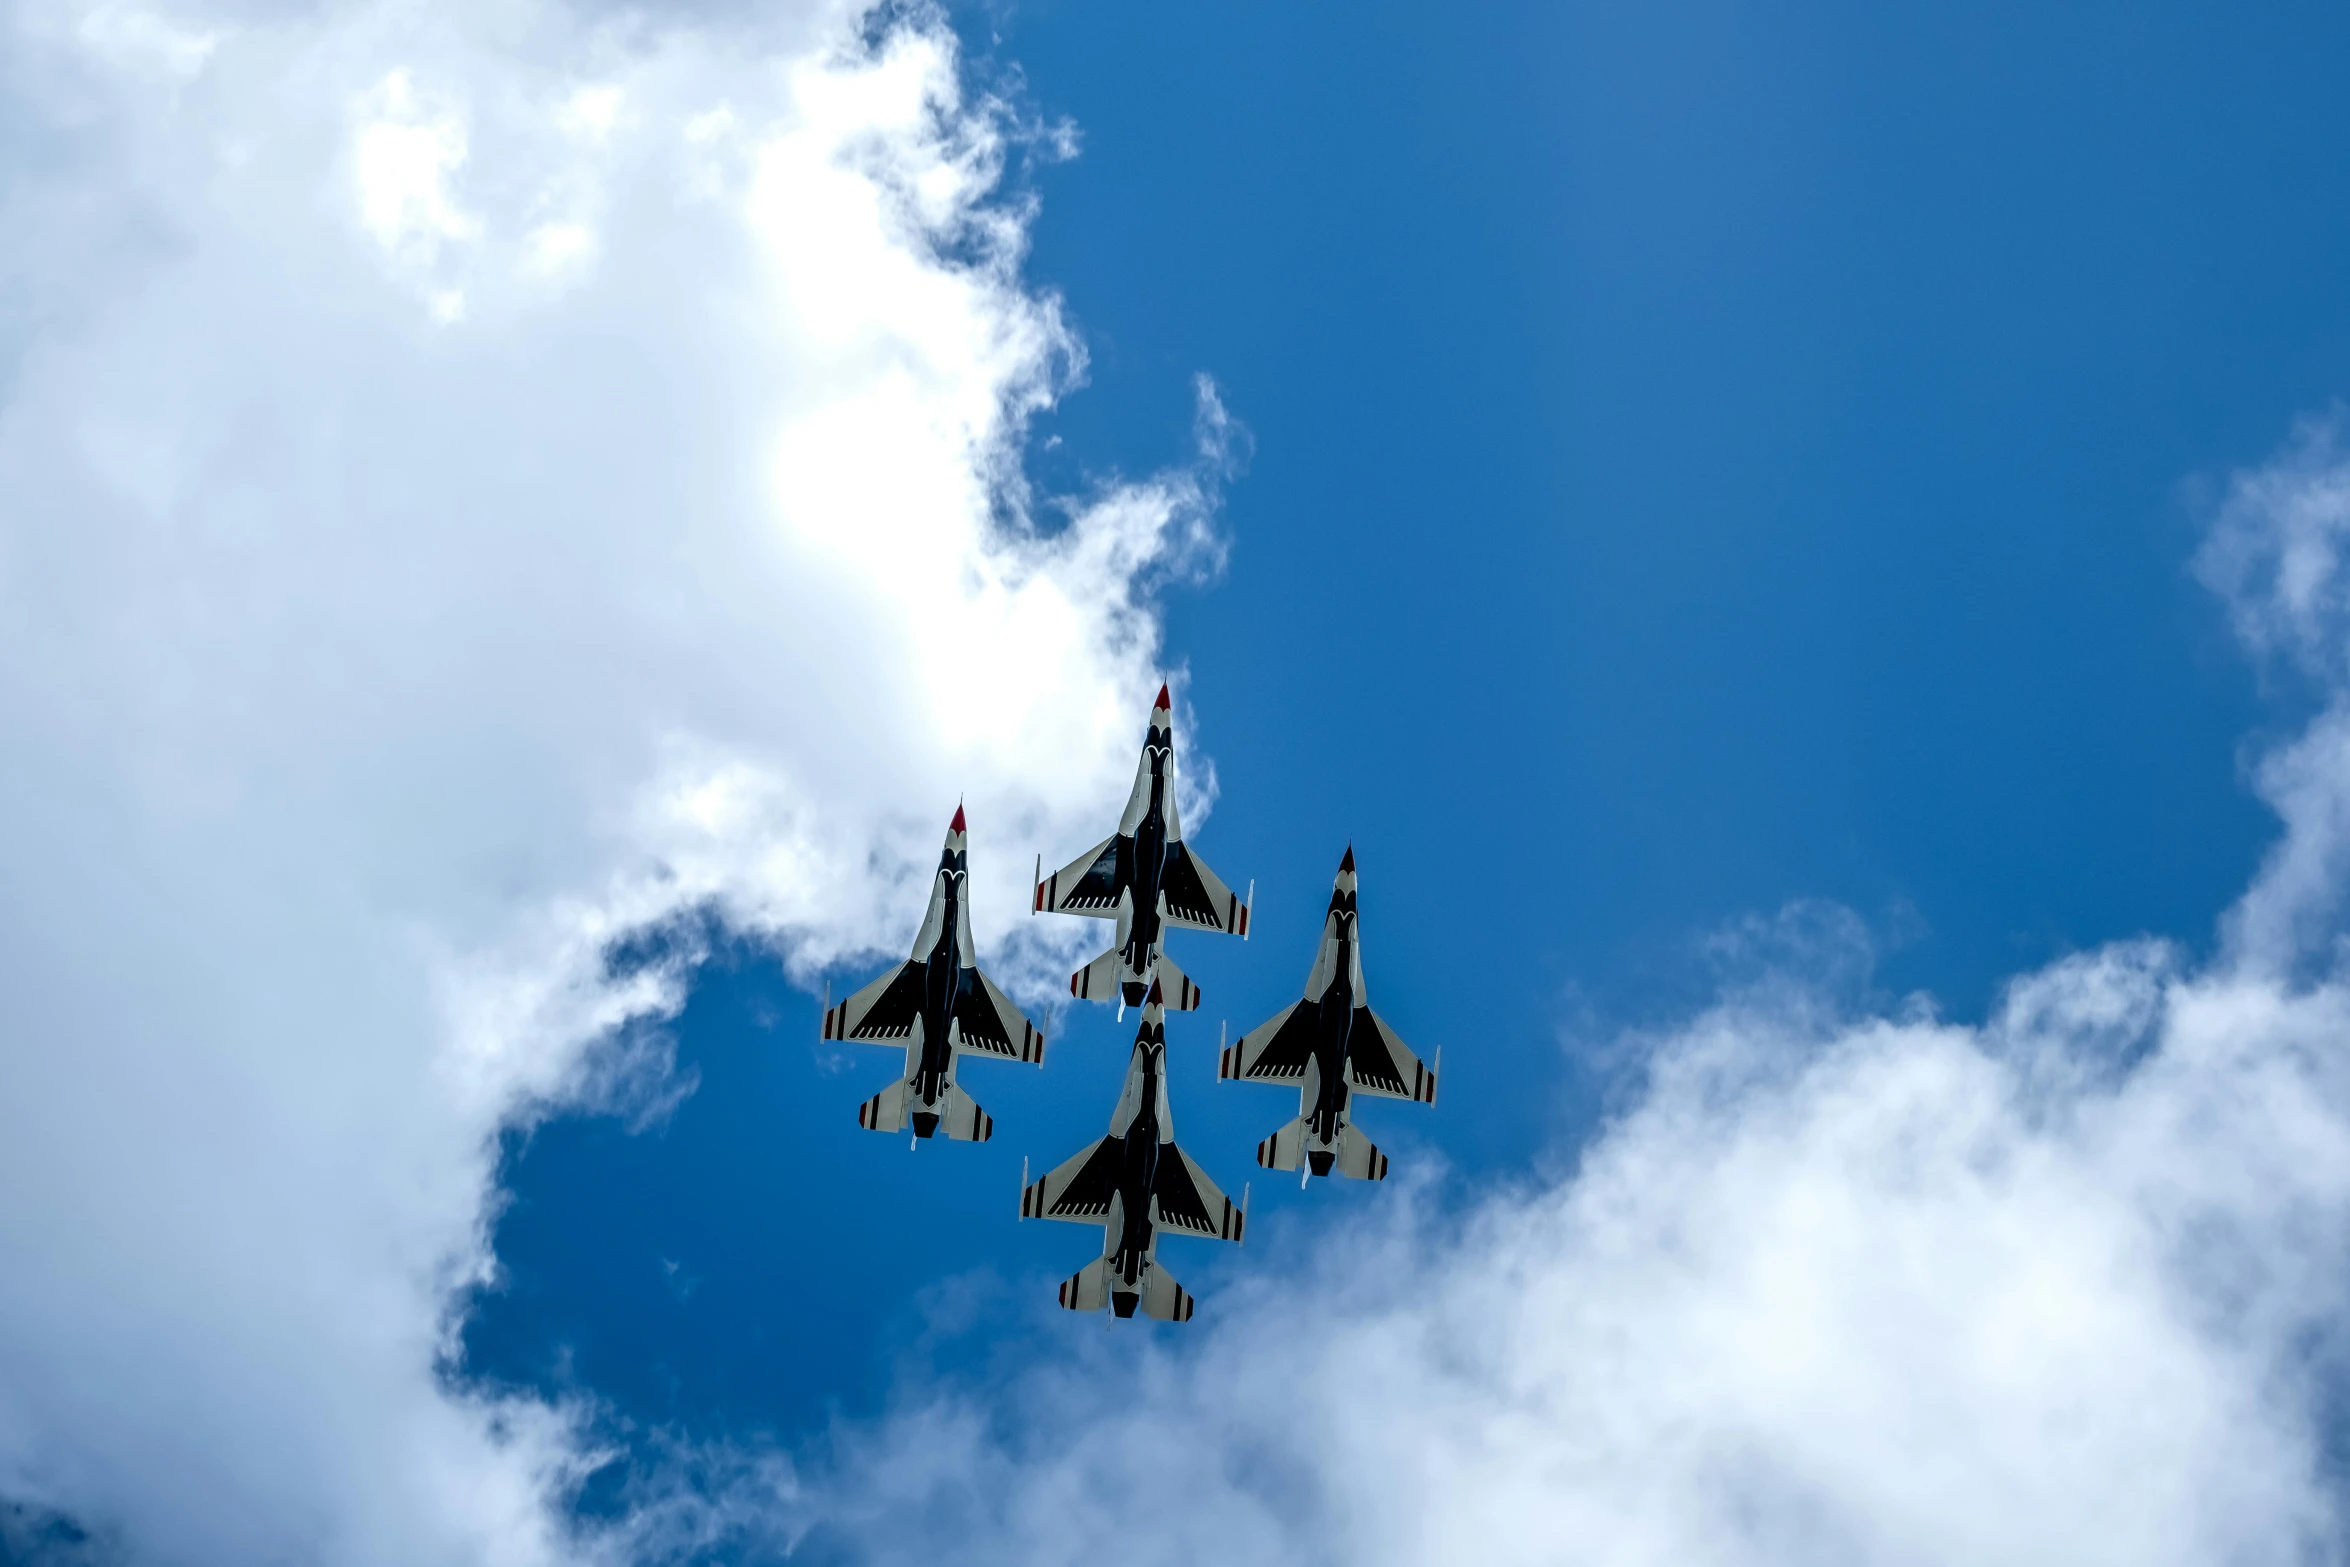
point(1435, 1073)
point(1037, 885)
point(1246, 906)
point(1242, 1238)
point(1024, 1186)
point(1235, 1223)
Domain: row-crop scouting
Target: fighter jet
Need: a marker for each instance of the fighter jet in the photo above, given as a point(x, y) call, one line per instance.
point(1332, 1045)
point(1135, 1183)
point(941, 1007)
point(1145, 877)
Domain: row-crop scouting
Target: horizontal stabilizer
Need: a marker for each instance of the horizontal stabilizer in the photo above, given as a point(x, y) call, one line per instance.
point(1180, 994)
point(1107, 978)
point(961, 1118)
point(1089, 1288)
point(1165, 1299)
point(1098, 980)
point(885, 1111)
point(1359, 1157)
point(1284, 1148)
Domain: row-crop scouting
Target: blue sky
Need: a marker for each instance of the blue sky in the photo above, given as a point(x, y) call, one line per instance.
point(1801, 551)
point(1697, 465)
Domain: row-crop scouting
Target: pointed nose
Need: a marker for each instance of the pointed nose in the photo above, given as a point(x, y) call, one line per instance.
point(957, 824)
point(1162, 704)
point(1345, 867)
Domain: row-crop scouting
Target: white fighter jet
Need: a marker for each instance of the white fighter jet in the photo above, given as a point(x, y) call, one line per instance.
point(1145, 877)
point(1333, 1046)
point(1135, 1183)
point(940, 1007)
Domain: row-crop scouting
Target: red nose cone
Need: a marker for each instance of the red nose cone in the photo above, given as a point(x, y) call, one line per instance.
point(957, 824)
point(1348, 863)
point(1162, 701)
point(1154, 999)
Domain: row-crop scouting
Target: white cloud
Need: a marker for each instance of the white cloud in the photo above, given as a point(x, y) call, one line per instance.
point(2275, 551)
point(2066, 1287)
point(2275, 556)
point(477, 480)
point(403, 157)
point(1860, 1290)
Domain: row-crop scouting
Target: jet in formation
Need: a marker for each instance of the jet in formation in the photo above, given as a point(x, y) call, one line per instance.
point(1136, 1183)
point(1146, 878)
point(1332, 1046)
point(941, 1008)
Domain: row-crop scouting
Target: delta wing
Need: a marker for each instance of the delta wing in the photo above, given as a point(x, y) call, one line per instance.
point(1080, 1190)
point(991, 1025)
point(1382, 1065)
point(1190, 1202)
point(1273, 1052)
point(1089, 884)
point(883, 1011)
point(1195, 897)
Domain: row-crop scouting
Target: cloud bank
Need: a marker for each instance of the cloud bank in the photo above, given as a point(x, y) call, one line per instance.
point(475, 481)
point(1834, 1286)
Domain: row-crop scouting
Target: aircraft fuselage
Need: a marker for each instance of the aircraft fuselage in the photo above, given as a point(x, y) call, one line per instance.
point(1333, 1026)
point(1149, 867)
point(945, 982)
point(1133, 1239)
